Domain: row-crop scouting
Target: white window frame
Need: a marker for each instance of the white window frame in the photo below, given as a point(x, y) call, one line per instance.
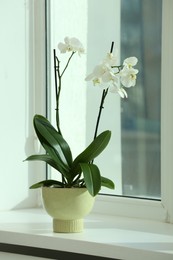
point(166, 109)
point(37, 80)
point(142, 208)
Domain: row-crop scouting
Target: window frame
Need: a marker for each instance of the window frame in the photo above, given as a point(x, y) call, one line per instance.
point(166, 106)
point(37, 74)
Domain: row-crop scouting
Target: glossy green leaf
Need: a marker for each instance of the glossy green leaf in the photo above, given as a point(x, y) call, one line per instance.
point(48, 159)
point(64, 168)
point(93, 150)
point(107, 183)
point(92, 177)
point(48, 135)
point(46, 183)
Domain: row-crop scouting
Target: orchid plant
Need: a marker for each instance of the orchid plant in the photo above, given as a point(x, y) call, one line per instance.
point(81, 171)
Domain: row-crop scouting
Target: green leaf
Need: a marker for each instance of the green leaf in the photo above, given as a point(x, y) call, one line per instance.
point(92, 178)
point(63, 168)
point(48, 159)
point(52, 140)
point(107, 183)
point(46, 183)
point(92, 151)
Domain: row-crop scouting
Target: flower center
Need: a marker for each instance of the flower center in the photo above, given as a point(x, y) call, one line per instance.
point(132, 76)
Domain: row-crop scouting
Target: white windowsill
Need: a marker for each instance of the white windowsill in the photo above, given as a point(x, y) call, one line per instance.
point(105, 236)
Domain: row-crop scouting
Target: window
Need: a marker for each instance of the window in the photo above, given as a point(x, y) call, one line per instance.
point(147, 131)
point(23, 84)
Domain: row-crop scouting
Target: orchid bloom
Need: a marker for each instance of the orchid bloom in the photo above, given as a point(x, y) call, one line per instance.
point(108, 74)
point(119, 90)
point(128, 76)
point(71, 45)
point(113, 78)
point(104, 76)
point(130, 62)
point(110, 59)
point(101, 74)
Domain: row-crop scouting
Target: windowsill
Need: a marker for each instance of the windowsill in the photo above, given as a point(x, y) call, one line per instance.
point(104, 236)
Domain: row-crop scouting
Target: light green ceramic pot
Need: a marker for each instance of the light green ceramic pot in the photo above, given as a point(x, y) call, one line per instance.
point(67, 207)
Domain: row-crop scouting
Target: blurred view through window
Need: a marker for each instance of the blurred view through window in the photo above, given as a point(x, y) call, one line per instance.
point(140, 117)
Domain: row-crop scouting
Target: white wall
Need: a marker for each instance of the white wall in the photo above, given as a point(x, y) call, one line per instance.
point(16, 103)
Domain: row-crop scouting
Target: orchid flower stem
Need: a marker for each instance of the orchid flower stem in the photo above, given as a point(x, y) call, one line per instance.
point(55, 69)
point(104, 94)
point(67, 63)
point(58, 86)
point(112, 47)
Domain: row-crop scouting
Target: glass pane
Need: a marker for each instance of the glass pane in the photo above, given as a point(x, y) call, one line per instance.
point(140, 118)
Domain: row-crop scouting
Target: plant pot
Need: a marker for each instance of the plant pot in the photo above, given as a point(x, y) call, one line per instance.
point(67, 207)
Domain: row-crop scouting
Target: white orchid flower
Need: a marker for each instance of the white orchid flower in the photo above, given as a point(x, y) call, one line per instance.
point(130, 62)
point(107, 75)
point(95, 76)
point(71, 45)
point(115, 88)
point(101, 73)
point(128, 77)
point(111, 59)
point(122, 93)
point(104, 76)
point(109, 80)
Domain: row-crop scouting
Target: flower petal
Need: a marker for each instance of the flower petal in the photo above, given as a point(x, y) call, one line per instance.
point(130, 62)
point(71, 45)
point(110, 59)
